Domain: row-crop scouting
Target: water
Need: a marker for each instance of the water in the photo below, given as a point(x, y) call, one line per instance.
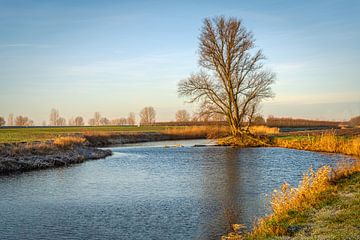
point(148, 191)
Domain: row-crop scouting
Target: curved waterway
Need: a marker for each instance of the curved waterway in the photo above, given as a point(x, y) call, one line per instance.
point(159, 190)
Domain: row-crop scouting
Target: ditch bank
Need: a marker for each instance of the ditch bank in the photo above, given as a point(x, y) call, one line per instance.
point(22, 157)
point(107, 140)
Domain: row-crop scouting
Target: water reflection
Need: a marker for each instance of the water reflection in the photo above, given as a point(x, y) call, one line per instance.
point(149, 192)
point(221, 186)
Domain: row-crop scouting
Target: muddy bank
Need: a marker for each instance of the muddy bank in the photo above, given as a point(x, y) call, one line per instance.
point(23, 157)
point(125, 138)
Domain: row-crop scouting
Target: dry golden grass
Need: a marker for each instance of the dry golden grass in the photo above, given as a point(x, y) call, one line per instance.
point(264, 130)
point(199, 131)
point(288, 199)
point(327, 142)
point(64, 142)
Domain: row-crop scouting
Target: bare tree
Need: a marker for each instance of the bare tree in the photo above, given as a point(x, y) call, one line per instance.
point(232, 80)
point(182, 116)
point(71, 122)
point(147, 115)
point(91, 122)
point(79, 121)
point(61, 121)
point(23, 121)
point(97, 117)
point(54, 117)
point(95, 121)
point(131, 119)
point(10, 121)
point(2, 121)
point(104, 121)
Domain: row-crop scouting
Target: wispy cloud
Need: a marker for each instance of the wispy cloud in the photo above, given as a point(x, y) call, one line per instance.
point(143, 66)
point(26, 45)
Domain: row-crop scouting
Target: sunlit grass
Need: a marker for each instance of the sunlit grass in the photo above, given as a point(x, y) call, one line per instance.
point(8, 135)
point(200, 131)
point(292, 206)
point(263, 130)
point(327, 142)
point(69, 141)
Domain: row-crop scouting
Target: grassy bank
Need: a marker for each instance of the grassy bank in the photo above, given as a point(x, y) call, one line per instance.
point(325, 204)
point(326, 142)
point(11, 135)
point(62, 151)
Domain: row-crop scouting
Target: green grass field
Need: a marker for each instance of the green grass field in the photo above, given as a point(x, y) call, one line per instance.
point(10, 135)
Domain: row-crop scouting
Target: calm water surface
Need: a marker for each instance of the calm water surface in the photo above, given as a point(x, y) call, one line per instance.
point(148, 191)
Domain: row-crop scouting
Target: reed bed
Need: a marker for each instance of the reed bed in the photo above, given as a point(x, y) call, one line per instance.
point(68, 141)
point(263, 130)
point(327, 142)
point(198, 131)
point(287, 200)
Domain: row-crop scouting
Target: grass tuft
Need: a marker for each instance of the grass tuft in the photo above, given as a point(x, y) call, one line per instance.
point(69, 141)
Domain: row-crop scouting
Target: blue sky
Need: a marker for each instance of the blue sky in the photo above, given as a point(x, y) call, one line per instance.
point(119, 56)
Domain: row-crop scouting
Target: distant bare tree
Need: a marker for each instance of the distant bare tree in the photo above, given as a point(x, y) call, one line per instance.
point(147, 115)
point(79, 121)
point(95, 121)
point(123, 121)
point(182, 116)
point(104, 121)
point(2, 121)
point(91, 122)
point(61, 121)
point(116, 121)
point(131, 119)
point(97, 117)
point(54, 117)
point(23, 121)
point(71, 122)
point(232, 77)
point(10, 121)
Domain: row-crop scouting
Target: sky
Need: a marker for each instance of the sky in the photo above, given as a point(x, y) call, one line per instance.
point(116, 57)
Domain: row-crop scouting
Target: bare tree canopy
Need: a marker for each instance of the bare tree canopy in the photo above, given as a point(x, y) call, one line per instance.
point(104, 121)
point(54, 117)
point(96, 120)
point(182, 116)
point(10, 121)
point(232, 80)
point(131, 119)
point(79, 121)
point(23, 121)
point(147, 115)
point(2, 121)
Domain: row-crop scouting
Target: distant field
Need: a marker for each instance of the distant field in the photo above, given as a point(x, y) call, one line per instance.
point(8, 135)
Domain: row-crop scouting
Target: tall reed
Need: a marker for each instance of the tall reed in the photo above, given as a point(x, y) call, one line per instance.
point(69, 141)
point(287, 199)
point(200, 131)
point(327, 142)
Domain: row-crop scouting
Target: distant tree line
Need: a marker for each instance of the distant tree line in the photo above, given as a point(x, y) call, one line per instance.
point(182, 118)
point(16, 121)
point(272, 121)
